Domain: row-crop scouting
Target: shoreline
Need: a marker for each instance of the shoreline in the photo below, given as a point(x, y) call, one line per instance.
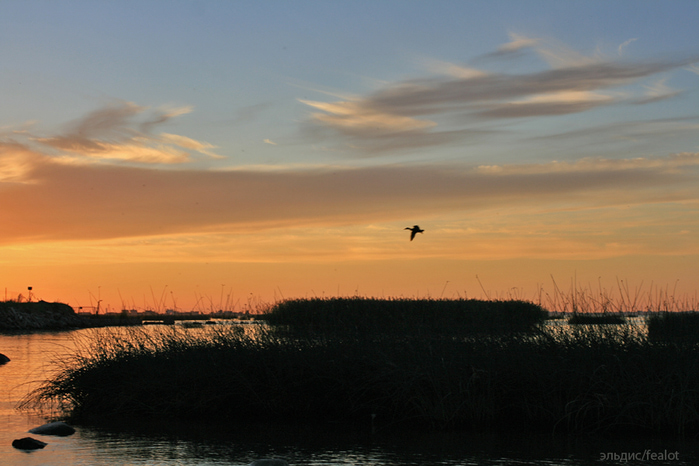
point(39, 315)
point(49, 316)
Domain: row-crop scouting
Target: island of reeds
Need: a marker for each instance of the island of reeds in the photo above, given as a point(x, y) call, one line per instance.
point(425, 363)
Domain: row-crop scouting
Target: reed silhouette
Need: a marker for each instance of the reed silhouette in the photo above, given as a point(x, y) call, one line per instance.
point(438, 364)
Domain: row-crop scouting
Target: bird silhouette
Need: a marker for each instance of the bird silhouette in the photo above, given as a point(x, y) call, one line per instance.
point(413, 230)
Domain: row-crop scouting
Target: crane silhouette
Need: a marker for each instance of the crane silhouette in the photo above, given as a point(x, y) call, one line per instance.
point(415, 229)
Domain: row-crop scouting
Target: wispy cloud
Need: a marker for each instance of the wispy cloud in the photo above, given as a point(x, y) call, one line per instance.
point(189, 143)
point(434, 96)
point(555, 103)
point(513, 49)
point(413, 110)
point(645, 131)
point(372, 130)
point(517, 42)
point(625, 44)
point(108, 201)
point(658, 91)
point(668, 164)
point(559, 55)
point(124, 132)
point(16, 163)
point(355, 118)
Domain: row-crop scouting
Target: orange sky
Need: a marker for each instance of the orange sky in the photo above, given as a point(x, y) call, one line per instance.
point(189, 171)
point(79, 232)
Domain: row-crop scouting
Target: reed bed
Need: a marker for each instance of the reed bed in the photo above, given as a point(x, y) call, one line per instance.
point(674, 326)
point(581, 378)
point(405, 317)
point(624, 299)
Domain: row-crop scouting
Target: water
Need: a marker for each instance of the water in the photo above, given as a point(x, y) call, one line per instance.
point(144, 443)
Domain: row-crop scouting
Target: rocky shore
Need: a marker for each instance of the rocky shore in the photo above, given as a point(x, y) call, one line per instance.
point(42, 315)
point(38, 316)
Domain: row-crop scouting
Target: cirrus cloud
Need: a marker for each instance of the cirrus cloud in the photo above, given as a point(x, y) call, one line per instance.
point(122, 132)
point(413, 113)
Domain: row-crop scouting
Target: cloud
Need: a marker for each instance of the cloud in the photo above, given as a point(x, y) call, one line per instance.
point(555, 103)
point(269, 141)
point(415, 109)
point(188, 143)
point(75, 202)
point(452, 69)
point(434, 96)
point(123, 132)
point(559, 55)
point(515, 48)
point(668, 164)
point(374, 131)
point(517, 42)
point(647, 132)
point(356, 118)
point(16, 163)
point(625, 44)
point(138, 150)
point(658, 91)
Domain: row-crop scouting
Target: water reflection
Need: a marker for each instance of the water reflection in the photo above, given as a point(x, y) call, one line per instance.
point(207, 445)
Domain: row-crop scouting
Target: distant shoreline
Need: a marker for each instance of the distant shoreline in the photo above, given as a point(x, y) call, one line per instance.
point(42, 315)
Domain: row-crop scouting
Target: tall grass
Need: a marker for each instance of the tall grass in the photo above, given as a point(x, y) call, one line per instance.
point(405, 317)
point(588, 378)
point(624, 299)
point(674, 326)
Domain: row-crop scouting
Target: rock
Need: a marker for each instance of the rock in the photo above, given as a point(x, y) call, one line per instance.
point(28, 443)
point(3, 359)
point(60, 429)
point(269, 462)
point(38, 315)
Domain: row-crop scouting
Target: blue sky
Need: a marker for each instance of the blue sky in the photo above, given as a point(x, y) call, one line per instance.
point(281, 132)
point(243, 66)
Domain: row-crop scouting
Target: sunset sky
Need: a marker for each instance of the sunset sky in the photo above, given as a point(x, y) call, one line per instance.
point(208, 154)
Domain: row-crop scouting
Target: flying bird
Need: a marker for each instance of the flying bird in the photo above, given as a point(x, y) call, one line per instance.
point(413, 230)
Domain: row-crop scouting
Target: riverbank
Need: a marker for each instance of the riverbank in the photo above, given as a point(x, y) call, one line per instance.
point(599, 378)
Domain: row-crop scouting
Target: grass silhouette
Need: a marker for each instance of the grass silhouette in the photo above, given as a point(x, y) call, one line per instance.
point(318, 362)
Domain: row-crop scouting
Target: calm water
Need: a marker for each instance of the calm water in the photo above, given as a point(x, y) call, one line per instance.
point(32, 358)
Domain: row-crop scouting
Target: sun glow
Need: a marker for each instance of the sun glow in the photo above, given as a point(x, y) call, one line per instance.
point(286, 158)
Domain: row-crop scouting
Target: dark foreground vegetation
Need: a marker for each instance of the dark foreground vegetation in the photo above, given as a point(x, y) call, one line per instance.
point(578, 378)
point(678, 327)
point(363, 317)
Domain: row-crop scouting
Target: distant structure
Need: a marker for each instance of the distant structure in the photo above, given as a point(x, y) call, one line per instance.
point(415, 229)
